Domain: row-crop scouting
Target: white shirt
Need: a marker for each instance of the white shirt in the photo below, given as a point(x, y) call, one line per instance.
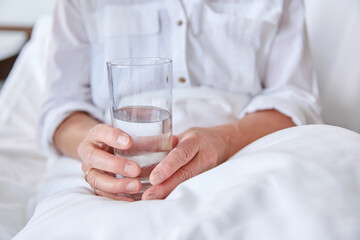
point(241, 55)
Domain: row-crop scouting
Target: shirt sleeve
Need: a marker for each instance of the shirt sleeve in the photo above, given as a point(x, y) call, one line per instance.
point(289, 83)
point(67, 72)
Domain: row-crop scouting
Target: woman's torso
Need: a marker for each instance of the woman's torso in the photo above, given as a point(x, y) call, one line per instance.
point(216, 44)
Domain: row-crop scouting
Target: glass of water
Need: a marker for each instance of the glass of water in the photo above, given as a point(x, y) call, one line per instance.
point(141, 105)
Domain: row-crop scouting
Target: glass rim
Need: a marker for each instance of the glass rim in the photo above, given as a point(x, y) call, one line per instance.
point(148, 61)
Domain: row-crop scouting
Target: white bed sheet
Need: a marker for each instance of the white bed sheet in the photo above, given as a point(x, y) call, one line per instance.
point(299, 183)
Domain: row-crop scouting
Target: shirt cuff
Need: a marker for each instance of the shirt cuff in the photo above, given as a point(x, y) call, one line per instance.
point(300, 112)
point(55, 116)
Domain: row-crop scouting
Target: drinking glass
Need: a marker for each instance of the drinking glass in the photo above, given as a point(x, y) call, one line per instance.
point(141, 105)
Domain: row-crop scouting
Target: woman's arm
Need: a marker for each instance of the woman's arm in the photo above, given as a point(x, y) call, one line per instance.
point(252, 127)
point(200, 149)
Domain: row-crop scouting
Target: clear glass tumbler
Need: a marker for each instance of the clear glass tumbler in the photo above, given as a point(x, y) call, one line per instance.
point(141, 105)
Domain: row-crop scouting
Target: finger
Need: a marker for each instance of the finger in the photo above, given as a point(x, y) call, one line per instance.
point(159, 143)
point(114, 137)
point(175, 141)
point(185, 150)
point(96, 158)
point(113, 196)
point(162, 190)
point(106, 183)
point(202, 162)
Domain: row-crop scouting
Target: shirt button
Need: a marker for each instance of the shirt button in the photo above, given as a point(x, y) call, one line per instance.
point(182, 80)
point(179, 23)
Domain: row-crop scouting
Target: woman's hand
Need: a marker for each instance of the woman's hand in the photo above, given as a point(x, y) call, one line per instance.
point(95, 151)
point(198, 150)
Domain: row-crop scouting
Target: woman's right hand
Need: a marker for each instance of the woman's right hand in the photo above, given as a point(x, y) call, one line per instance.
point(96, 153)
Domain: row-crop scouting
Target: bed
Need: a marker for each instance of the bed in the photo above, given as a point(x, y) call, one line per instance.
point(299, 183)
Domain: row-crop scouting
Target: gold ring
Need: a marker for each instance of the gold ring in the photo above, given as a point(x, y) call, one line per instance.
point(88, 171)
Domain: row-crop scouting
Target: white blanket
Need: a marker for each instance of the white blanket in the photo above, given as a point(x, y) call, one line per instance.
point(299, 183)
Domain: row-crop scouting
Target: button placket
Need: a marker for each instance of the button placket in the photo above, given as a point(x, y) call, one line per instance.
point(180, 34)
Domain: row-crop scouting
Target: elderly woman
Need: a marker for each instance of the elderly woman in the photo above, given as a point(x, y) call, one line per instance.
point(242, 70)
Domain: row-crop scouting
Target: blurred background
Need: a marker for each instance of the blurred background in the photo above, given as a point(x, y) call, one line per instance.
point(334, 33)
point(17, 18)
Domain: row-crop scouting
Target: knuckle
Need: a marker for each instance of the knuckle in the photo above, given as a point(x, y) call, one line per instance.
point(194, 129)
point(183, 154)
point(162, 191)
point(212, 158)
point(94, 182)
point(90, 157)
point(167, 166)
point(115, 164)
point(114, 135)
point(99, 193)
point(184, 174)
point(198, 136)
point(114, 187)
point(95, 133)
point(196, 132)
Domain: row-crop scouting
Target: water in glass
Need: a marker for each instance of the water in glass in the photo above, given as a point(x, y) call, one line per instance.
point(151, 131)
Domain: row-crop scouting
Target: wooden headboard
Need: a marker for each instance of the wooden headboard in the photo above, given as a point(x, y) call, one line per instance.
point(7, 64)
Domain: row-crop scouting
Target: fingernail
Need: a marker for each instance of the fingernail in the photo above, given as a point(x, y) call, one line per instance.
point(151, 197)
point(123, 139)
point(131, 169)
point(156, 178)
point(132, 187)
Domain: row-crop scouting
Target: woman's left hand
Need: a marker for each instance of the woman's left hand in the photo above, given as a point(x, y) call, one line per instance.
point(198, 150)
